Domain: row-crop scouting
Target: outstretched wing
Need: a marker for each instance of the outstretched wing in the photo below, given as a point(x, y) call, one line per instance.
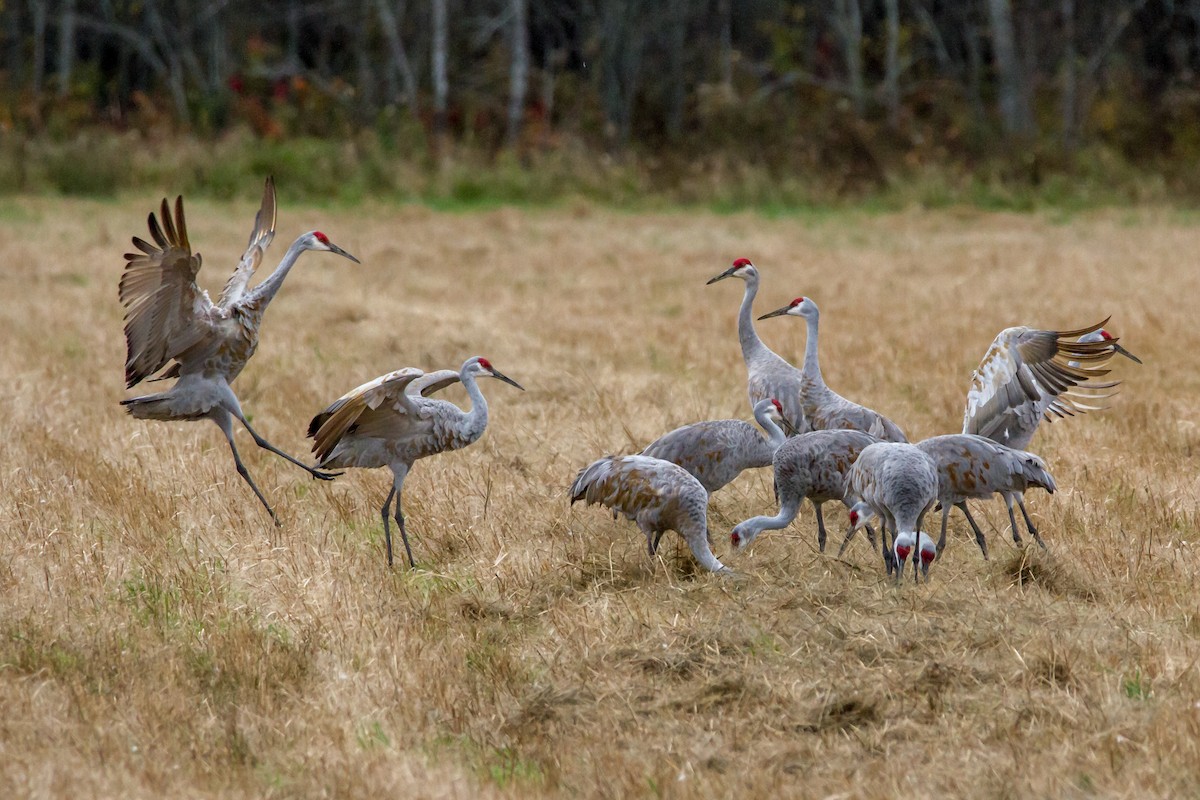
point(165, 311)
point(384, 395)
point(260, 240)
point(433, 382)
point(1025, 376)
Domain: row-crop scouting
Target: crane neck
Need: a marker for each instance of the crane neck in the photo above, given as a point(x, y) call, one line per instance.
point(775, 435)
point(747, 336)
point(477, 417)
point(812, 361)
point(789, 507)
point(265, 291)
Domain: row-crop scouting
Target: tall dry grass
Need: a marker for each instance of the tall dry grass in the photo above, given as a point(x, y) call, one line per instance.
point(158, 637)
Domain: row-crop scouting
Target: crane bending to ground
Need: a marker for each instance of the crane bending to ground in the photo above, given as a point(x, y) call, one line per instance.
point(717, 451)
point(1027, 375)
point(974, 468)
point(381, 424)
point(825, 409)
point(657, 495)
point(768, 374)
point(896, 482)
point(169, 318)
point(811, 466)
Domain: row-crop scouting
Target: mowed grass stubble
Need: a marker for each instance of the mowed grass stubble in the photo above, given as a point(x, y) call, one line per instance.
point(158, 636)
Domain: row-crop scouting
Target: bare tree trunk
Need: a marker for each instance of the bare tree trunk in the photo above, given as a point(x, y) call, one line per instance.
point(518, 73)
point(891, 78)
point(38, 7)
point(725, 15)
point(1015, 115)
point(1068, 77)
point(441, 87)
point(66, 47)
point(400, 65)
point(676, 86)
point(974, 73)
point(849, 25)
point(172, 61)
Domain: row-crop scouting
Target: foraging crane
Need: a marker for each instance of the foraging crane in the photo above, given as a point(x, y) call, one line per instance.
point(380, 424)
point(926, 554)
point(169, 318)
point(974, 467)
point(896, 482)
point(657, 495)
point(1027, 375)
point(768, 374)
point(810, 466)
point(717, 451)
point(825, 409)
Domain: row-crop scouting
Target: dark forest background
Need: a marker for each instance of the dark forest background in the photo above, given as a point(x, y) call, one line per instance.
point(718, 102)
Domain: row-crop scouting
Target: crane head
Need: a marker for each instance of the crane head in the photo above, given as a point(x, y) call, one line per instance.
point(1101, 335)
point(860, 515)
point(800, 307)
point(905, 545)
point(742, 268)
point(743, 534)
point(481, 367)
point(315, 240)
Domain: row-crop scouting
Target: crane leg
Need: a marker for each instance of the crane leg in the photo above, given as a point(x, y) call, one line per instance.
point(387, 529)
point(941, 542)
point(234, 408)
point(398, 488)
point(1011, 518)
point(850, 535)
point(653, 543)
point(225, 423)
point(1029, 526)
point(820, 528)
point(870, 536)
point(979, 537)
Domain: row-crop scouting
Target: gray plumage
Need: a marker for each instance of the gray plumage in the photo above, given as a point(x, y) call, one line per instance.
point(898, 482)
point(657, 495)
point(811, 466)
point(1028, 375)
point(825, 409)
point(380, 424)
point(169, 319)
point(717, 451)
point(974, 468)
point(768, 374)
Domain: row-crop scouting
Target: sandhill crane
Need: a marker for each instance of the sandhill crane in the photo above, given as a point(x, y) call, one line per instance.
point(717, 451)
point(926, 554)
point(657, 495)
point(898, 483)
point(1102, 335)
point(974, 468)
point(380, 424)
point(810, 466)
point(168, 317)
point(825, 409)
point(1027, 375)
point(768, 374)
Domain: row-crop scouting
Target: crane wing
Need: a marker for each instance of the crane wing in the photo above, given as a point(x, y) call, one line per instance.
point(384, 395)
point(1025, 376)
point(260, 239)
point(433, 382)
point(165, 311)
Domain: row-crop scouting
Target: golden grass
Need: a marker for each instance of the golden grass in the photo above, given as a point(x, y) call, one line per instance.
point(159, 638)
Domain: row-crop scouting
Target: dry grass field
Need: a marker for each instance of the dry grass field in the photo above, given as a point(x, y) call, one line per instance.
point(159, 638)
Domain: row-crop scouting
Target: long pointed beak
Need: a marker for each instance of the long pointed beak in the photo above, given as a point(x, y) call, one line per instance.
point(779, 312)
point(787, 426)
point(1126, 353)
point(498, 375)
point(333, 248)
point(722, 276)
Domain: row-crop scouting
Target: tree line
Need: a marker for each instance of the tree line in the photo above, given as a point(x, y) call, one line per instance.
point(755, 76)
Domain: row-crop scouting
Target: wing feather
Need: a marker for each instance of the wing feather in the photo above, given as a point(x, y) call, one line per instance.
point(384, 393)
point(165, 311)
point(261, 237)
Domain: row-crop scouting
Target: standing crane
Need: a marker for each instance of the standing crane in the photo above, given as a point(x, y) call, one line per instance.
point(169, 318)
point(974, 467)
point(657, 495)
point(824, 408)
point(717, 451)
point(768, 375)
point(896, 482)
point(380, 424)
point(1027, 375)
point(811, 466)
